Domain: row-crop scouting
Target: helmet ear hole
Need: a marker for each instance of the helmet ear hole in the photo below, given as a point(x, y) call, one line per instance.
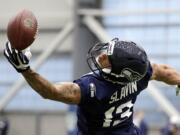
point(129, 59)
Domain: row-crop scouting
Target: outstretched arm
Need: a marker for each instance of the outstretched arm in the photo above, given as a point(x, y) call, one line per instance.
point(66, 92)
point(165, 73)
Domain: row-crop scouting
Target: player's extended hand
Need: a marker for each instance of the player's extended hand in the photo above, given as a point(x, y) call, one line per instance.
point(177, 90)
point(19, 59)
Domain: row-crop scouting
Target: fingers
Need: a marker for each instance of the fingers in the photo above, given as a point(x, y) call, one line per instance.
point(6, 54)
point(8, 49)
point(8, 57)
point(27, 52)
point(22, 58)
point(11, 53)
point(17, 58)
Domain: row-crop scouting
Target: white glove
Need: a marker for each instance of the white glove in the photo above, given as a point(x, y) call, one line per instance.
point(19, 59)
point(177, 90)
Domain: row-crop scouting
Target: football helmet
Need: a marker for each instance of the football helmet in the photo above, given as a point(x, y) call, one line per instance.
point(129, 61)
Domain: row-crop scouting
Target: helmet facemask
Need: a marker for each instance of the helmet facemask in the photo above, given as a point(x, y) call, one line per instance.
point(92, 58)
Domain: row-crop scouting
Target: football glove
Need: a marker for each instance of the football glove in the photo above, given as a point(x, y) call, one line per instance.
point(177, 90)
point(18, 59)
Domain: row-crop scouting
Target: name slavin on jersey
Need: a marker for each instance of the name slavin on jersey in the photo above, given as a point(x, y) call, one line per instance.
point(130, 88)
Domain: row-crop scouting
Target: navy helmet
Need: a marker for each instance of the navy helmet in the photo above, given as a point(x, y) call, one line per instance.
point(129, 61)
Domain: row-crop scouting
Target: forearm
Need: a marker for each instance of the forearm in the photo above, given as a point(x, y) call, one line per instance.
point(165, 74)
point(66, 92)
point(39, 84)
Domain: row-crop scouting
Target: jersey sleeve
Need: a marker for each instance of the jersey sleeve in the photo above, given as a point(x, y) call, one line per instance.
point(83, 83)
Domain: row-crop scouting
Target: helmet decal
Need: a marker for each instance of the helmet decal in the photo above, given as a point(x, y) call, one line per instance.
point(131, 75)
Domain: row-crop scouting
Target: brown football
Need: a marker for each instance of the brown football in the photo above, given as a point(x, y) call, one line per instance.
point(22, 29)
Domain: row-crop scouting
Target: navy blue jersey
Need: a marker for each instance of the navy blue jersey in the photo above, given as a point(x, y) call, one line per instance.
point(106, 108)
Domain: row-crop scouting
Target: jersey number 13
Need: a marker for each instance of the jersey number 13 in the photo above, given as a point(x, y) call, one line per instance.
point(108, 121)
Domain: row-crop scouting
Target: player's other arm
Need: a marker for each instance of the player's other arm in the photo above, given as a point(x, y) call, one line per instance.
point(165, 73)
point(66, 92)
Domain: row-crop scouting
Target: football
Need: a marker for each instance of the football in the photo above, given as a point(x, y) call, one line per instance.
point(22, 29)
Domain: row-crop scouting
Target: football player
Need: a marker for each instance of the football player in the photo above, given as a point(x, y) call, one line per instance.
point(106, 96)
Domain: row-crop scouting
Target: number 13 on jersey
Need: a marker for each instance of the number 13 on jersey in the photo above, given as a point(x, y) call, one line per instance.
point(108, 121)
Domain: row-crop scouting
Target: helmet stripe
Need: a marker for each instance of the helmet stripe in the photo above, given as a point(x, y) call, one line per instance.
point(111, 48)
